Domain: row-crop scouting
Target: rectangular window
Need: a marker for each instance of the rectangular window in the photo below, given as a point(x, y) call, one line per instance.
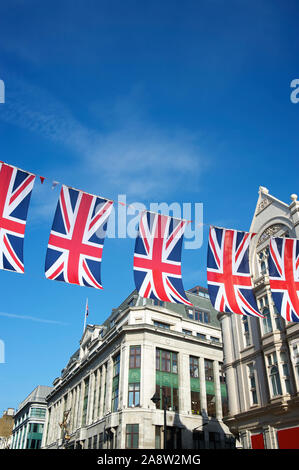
point(101, 440)
point(159, 324)
point(211, 405)
point(194, 367)
point(209, 374)
point(135, 357)
point(95, 378)
point(267, 323)
point(115, 383)
point(105, 386)
point(201, 336)
point(286, 372)
point(214, 339)
point(132, 436)
point(252, 384)
point(85, 401)
point(170, 394)
point(274, 376)
point(166, 361)
point(158, 437)
point(187, 332)
point(100, 389)
point(134, 395)
point(174, 363)
point(195, 403)
point(114, 404)
point(175, 399)
point(38, 412)
point(116, 365)
point(198, 315)
point(190, 313)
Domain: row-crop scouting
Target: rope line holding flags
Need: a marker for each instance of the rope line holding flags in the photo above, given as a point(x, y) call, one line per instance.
point(76, 240)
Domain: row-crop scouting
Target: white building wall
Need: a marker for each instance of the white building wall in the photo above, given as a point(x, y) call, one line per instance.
point(137, 333)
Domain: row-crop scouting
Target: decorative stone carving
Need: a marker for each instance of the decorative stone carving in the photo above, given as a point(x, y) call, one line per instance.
point(270, 231)
point(263, 204)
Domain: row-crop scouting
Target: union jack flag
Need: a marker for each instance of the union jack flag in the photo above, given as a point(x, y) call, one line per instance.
point(283, 264)
point(228, 273)
point(15, 193)
point(76, 240)
point(157, 258)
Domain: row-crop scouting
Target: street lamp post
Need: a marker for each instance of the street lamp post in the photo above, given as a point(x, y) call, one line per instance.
point(156, 398)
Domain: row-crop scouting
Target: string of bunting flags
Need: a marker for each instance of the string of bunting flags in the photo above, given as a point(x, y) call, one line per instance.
point(76, 241)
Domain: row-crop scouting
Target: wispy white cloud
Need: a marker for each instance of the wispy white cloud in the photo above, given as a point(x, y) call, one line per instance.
point(134, 156)
point(30, 318)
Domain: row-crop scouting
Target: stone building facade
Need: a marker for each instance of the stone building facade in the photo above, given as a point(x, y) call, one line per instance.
point(29, 420)
point(261, 356)
point(103, 398)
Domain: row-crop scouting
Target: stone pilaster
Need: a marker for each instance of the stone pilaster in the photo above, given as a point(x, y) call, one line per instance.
point(148, 375)
point(109, 378)
point(217, 390)
point(184, 384)
point(203, 393)
point(103, 385)
point(123, 377)
point(90, 399)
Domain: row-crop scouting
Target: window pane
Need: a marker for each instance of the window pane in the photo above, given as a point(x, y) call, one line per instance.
point(194, 367)
point(132, 434)
point(174, 363)
point(157, 437)
point(175, 403)
point(211, 405)
point(195, 403)
point(209, 374)
point(135, 356)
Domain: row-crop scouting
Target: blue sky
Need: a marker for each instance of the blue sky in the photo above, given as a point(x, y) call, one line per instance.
point(161, 101)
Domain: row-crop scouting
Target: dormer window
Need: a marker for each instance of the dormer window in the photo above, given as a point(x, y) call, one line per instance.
point(198, 315)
